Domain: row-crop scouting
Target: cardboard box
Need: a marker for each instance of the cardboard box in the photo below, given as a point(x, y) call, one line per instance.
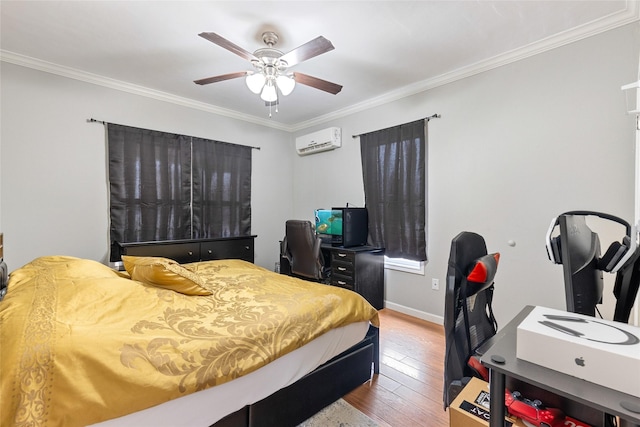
point(471, 407)
point(599, 351)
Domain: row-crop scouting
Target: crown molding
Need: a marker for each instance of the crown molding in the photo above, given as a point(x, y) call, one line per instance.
point(626, 16)
point(617, 19)
point(72, 73)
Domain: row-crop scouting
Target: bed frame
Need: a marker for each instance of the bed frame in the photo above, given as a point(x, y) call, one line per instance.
point(293, 404)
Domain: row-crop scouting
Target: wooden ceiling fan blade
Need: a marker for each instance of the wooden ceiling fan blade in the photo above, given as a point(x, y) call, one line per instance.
point(221, 78)
point(315, 47)
point(317, 83)
point(226, 44)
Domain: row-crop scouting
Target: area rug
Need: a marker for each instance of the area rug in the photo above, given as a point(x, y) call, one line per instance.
point(339, 414)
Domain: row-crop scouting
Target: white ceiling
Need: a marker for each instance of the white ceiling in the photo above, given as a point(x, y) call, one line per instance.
point(383, 49)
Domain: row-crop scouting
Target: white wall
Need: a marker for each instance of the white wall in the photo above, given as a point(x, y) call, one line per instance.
point(53, 165)
point(515, 147)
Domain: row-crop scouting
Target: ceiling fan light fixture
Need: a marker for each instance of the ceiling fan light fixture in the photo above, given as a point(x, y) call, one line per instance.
point(269, 93)
point(270, 67)
point(255, 82)
point(285, 84)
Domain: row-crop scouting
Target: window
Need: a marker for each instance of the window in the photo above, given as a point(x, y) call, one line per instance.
point(393, 168)
point(406, 265)
point(166, 186)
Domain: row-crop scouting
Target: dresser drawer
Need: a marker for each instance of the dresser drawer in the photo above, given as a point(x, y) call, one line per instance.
point(227, 249)
point(343, 256)
point(342, 268)
point(343, 281)
point(181, 252)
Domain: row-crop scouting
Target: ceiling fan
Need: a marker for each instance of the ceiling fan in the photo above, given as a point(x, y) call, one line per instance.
point(271, 66)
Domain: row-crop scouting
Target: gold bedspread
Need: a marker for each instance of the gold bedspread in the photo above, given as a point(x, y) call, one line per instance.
point(81, 343)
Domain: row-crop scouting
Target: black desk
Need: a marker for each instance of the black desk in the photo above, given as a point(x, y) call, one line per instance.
point(591, 395)
point(359, 268)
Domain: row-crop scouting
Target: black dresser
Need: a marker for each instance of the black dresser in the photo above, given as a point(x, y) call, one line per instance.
point(185, 251)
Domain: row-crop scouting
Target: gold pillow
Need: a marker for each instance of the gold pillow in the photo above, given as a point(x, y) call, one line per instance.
point(164, 273)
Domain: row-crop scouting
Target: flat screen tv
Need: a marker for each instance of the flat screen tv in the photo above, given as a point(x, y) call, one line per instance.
point(580, 251)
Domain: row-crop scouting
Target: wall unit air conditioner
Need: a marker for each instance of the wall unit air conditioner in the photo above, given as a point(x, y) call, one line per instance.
point(322, 140)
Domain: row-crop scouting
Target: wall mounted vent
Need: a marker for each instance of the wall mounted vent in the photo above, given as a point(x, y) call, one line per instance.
point(322, 140)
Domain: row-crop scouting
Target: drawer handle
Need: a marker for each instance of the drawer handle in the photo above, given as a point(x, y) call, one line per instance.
point(342, 269)
point(341, 255)
point(340, 282)
point(247, 248)
point(210, 251)
point(190, 252)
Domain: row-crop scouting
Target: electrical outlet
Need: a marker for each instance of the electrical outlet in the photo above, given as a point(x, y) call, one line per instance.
point(435, 284)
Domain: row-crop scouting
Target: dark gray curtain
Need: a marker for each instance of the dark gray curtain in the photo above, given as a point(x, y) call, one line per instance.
point(393, 169)
point(149, 184)
point(156, 178)
point(221, 189)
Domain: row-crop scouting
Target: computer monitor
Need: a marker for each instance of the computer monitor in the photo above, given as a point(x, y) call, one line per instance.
point(327, 223)
point(580, 251)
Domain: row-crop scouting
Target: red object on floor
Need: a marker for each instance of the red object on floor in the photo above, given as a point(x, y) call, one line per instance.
point(533, 411)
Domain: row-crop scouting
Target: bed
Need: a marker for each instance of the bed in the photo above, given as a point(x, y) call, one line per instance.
point(221, 342)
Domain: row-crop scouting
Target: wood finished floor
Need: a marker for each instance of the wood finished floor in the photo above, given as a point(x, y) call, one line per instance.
point(408, 390)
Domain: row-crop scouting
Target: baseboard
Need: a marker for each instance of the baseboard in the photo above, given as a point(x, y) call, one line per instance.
point(415, 313)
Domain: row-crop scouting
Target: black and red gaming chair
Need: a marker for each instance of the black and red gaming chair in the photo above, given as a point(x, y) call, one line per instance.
point(468, 316)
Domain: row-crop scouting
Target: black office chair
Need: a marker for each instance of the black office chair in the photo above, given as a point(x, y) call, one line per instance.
point(468, 316)
point(301, 247)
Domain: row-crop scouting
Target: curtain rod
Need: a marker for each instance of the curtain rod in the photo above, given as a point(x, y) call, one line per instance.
point(92, 120)
point(434, 116)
